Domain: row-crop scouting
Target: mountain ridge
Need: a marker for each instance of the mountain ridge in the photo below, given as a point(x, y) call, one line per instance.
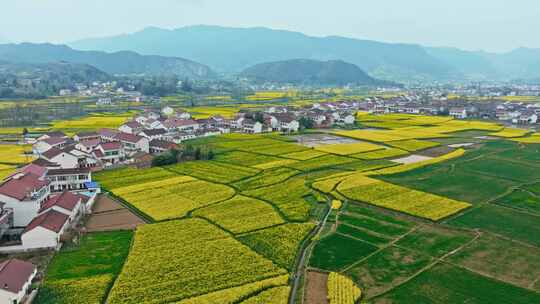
point(230, 50)
point(117, 63)
point(309, 72)
point(234, 49)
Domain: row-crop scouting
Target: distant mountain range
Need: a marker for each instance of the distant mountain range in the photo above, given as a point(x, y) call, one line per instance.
point(65, 72)
point(309, 72)
point(38, 80)
point(233, 49)
point(117, 63)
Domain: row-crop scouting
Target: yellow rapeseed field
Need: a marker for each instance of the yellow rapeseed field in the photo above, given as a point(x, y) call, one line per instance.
point(417, 203)
point(511, 133)
point(342, 290)
point(15, 154)
point(349, 148)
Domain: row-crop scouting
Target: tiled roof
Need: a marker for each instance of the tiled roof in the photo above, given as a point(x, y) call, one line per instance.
point(90, 143)
point(108, 132)
point(14, 274)
point(87, 134)
point(54, 140)
point(133, 124)
point(50, 220)
point(162, 144)
point(44, 163)
point(33, 169)
point(114, 145)
point(20, 186)
point(66, 200)
point(128, 137)
point(153, 132)
point(52, 152)
point(56, 134)
point(68, 171)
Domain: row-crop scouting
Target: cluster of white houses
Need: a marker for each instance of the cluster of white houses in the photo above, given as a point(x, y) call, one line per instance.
point(178, 126)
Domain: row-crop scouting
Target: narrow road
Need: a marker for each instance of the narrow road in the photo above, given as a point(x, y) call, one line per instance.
point(301, 261)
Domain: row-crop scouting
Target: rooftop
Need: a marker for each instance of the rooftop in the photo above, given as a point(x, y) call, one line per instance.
point(20, 186)
point(68, 171)
point(128, 137)
point(51, 220)
point(14, 274)
point(66, 200)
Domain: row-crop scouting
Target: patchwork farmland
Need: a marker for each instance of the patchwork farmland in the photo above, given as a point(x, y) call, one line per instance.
point(271, 219)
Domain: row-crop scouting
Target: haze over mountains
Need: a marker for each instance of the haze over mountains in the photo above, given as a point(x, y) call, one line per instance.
point(233, 49)
point(197, 51)
point(309, 72)
point(123, 63)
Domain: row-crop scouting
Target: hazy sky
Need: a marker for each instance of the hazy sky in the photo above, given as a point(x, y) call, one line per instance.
point(494, 25)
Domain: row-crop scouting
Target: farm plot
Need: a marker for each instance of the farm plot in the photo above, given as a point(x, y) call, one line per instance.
point(85, 273)
point(316, 290)
point(328, 184)
point(266, 146)
point(235, 294)
point(511, 133)
point(291, 203)
point(451, 284)
point(453, 180)
point(517, 225)
point(373, 135)
point(164, 263)
point(413, 202)
point(387, 268)
point(336, 252)
point(524, 153)
point(241, 158)
point(533, 139)
point(341, 290)
point(371, 226)
point(321, 162)
point(412, 145)
point(381, 154)
point(109, 215)
point(503, 168)
point(214, 171)
point(522, 200)
point(6, 170)
point(112, 179)
point(15, 154)
point(266, 178)
point(435, 241)
point(279, 149)
point(279, 244)
point(275, 295)
point(366, 165)
point(347, 149)
point(416, 165)
point(304, 155)
point(275, 164)
point(501, 259)
point(241, 214)
point(175, 200)
point(91, 123)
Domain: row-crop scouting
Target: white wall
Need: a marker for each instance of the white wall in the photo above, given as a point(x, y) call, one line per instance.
point(40, 237)
point(126, 129)
point(66, 161)
point(40, 147)
point(8, 297)
point(23, 212)
point(143, 145)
